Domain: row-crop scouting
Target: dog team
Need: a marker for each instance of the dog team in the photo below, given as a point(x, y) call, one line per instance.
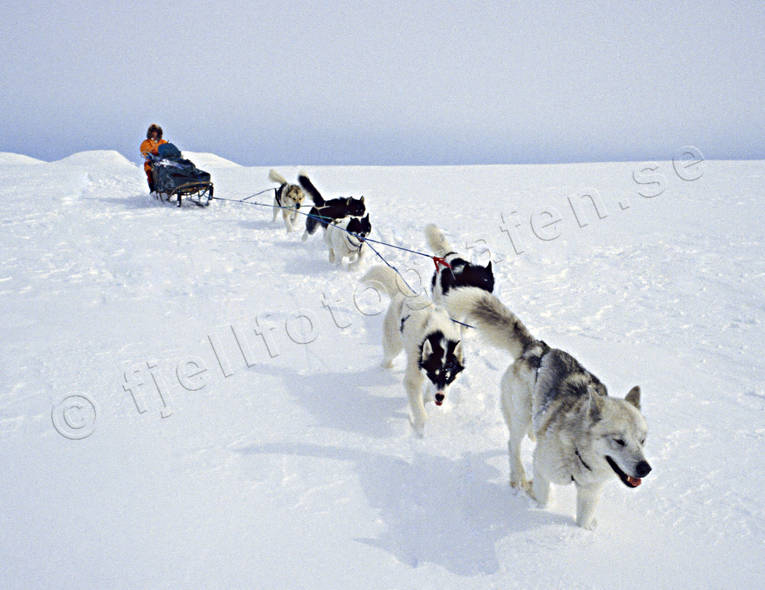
point(343, 219)
point(583, 436)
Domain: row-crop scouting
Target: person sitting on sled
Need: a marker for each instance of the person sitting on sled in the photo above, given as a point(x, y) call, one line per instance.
point(149, 146)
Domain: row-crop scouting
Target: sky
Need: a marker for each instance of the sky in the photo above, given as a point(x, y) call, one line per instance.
point(308, 83)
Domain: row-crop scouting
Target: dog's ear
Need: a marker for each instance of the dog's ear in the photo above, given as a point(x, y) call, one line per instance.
point(488, 266)
point(458, 351)
point(594, 406)
point(427, 349)
point(362, 198)
point(348, 202)
point(633, 397)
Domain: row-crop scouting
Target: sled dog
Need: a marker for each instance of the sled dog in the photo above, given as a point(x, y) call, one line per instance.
point(582, 435)
point(461, 274)
point(345, 239)
point(287, 199)
point(323, 212)
point(429, 338)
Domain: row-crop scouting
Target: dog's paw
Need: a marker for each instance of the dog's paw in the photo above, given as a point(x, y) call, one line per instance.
point(386, 364)
point(521, 485)
point(418, 427)
point(529, 489)
point(589, 526)
point(538, 500)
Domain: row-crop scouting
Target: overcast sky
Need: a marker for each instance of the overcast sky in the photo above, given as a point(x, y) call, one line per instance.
point(386, 83)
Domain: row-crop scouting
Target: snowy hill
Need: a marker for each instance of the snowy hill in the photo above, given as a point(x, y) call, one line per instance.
point(192, 398)
point(97, 159)
point(205, 160)
point(9, 159)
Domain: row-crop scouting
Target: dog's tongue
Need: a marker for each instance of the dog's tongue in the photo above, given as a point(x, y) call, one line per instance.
point(634, 481)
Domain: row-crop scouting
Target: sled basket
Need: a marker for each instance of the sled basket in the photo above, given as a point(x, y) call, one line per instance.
point(179, 179)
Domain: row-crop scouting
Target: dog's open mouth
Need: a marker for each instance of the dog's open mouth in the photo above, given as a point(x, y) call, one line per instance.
point(627, 480)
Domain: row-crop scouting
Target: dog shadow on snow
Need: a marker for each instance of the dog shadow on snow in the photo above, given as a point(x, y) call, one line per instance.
point(251, 224)
point(340, 400)
point(435, 509)
point(309, 258)
point(306, 258)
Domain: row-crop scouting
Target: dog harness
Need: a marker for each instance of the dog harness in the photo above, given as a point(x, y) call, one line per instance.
point(278, 195)
point(348, 238)
point(578, 456)
point(576, 452)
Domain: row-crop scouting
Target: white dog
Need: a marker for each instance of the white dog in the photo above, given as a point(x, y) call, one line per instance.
point(429, 338)
point(583, 436)
point(345, 239)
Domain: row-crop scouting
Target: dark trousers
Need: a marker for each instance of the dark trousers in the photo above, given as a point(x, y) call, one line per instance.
point(150, 179)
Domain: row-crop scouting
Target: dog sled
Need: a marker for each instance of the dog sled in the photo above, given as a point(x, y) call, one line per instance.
point(176, 178)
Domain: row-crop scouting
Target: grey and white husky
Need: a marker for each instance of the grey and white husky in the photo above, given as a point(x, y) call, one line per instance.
point(427, 335)
point(287, 198)
point(583, 436)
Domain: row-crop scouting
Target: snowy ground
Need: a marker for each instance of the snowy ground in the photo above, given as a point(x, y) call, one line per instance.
point(261, 446)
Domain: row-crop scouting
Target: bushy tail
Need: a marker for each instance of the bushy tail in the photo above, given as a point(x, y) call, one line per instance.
point(498, 324)
point(308, 187)
point(276, 177)
point(388, 279)
point(437, 240)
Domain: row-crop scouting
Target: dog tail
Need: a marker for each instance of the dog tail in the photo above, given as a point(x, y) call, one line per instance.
point(497, 323)
point(387, 278)
point(308, 187)
point(276, 177)
point(437, 240)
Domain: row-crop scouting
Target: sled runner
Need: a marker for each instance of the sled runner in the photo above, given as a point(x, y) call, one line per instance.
point(178, 178)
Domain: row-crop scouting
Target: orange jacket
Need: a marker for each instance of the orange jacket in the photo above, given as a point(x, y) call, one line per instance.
point(150, 146)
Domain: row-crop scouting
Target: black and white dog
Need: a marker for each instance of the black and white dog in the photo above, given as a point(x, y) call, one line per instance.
point(287, 199)
point(428, 336)
point(345, 239)
point(324, 212)
point(461, 274)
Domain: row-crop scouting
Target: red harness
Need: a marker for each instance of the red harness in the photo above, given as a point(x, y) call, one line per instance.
point(439, 262)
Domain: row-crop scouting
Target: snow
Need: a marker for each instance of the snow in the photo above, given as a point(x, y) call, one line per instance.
point(97, 159)
point(205, 160)
point(8, 159)
point(272, 451)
